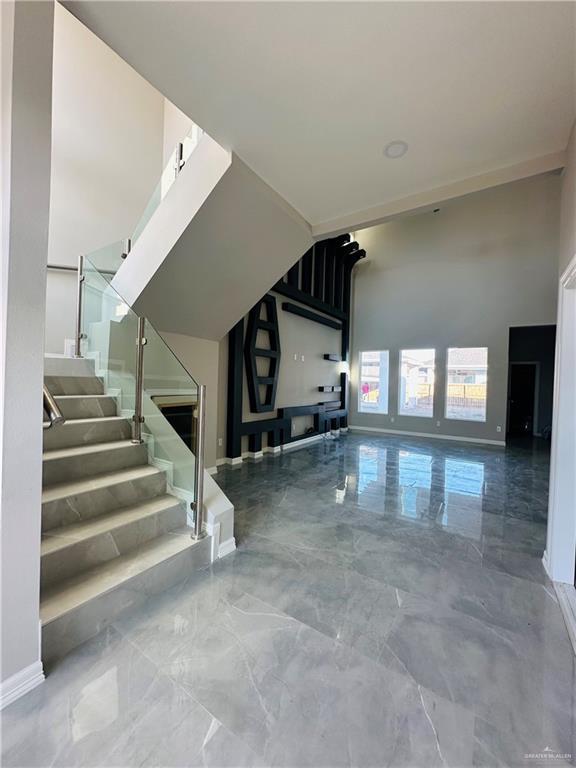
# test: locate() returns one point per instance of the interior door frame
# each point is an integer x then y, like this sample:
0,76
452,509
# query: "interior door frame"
536,409
560,555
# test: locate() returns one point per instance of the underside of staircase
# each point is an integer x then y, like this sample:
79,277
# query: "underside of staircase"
112,534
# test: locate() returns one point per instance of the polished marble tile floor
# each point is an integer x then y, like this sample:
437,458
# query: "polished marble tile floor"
386,606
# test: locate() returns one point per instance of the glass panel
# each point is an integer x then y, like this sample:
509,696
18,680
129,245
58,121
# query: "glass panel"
107,260
466,382
416,396
168,177
170,408
373,387
110,330
170,398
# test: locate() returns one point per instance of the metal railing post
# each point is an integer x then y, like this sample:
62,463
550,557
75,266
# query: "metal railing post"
179,158
198,504
79,334
138,418
126,248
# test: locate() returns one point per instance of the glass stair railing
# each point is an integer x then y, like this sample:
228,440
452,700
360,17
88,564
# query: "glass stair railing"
109,259
149,382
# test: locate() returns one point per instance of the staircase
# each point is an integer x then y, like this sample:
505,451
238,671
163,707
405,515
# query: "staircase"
112,535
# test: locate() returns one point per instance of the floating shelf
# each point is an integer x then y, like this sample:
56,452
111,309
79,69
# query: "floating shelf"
325,389
333,358
294,309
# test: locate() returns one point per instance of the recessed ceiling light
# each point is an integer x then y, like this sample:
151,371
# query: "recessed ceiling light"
395,149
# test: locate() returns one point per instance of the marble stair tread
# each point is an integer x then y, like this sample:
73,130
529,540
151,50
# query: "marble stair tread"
87,431
86,406
83,450
75,462
59,539
97,482
71,594
74,385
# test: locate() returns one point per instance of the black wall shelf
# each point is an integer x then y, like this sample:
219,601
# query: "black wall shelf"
333,358
294,309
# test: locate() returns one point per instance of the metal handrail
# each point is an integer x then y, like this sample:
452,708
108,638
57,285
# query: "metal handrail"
52,409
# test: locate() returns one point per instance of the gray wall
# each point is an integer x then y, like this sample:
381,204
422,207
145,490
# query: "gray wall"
201,358
242,240
460,277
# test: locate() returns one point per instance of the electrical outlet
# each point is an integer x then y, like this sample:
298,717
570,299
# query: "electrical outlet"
220,442
392,418
498,428
437,423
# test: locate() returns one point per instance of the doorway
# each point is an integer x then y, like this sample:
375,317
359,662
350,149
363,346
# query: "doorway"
531,352
523,399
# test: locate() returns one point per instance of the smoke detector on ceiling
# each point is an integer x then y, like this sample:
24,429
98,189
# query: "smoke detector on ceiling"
395,149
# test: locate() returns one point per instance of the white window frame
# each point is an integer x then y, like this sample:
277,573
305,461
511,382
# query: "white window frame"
360,403
399,403
459,418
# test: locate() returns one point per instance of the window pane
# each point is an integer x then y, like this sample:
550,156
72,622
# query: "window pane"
466,377
416,382
373,385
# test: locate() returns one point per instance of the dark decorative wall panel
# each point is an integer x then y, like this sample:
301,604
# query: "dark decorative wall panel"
322,281
253,351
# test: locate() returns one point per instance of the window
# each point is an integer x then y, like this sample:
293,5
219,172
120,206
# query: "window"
466,377
416,396
373,386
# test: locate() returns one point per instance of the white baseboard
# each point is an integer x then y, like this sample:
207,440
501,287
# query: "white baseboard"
20,683
233,462
212,470
546,564
278,449
227,547
567,598
435,436
221,462
301,443
253,455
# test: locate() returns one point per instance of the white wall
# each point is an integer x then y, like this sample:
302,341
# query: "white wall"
460,277
568,205
26,110
176,126
561,535
108,134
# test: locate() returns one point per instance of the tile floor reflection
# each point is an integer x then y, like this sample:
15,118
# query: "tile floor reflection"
386,606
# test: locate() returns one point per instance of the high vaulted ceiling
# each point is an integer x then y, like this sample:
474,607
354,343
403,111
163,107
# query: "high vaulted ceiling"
309,93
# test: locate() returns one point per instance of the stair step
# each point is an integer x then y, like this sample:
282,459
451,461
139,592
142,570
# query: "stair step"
78,608
86,406
74,385
79,432
72,502
72,549
88,460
